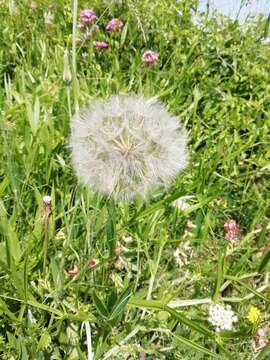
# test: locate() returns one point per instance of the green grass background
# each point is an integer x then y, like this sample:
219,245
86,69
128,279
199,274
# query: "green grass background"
215,77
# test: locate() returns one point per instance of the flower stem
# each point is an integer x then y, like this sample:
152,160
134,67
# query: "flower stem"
74,55
45,245
153,276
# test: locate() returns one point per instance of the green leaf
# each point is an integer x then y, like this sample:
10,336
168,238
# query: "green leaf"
44,341
264,262
267,25
111,227
5,310
259,295
12,240
112,299
124,34
101,308
156,305
121,304
196,346
220,274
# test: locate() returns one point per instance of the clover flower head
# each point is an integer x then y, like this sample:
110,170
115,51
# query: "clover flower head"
221,317
127,146
100,45
260,341
114,25
87,16
231,230
149,57
230,225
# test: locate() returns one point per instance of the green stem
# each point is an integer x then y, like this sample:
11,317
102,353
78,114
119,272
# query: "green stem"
45,245
153,276
74,62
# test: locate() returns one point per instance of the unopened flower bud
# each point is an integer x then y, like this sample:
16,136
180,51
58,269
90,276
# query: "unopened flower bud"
67,76
91,263
73,272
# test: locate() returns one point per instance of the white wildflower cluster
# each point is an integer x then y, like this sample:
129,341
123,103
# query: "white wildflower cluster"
183,254
127,146
222,317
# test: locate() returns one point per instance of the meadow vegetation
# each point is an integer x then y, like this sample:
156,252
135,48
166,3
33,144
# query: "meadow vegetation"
133,280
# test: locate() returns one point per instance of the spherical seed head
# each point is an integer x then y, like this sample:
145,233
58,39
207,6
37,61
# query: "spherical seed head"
47,200
127,146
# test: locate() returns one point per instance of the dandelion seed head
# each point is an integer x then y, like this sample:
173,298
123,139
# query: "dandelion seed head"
127,146
47,200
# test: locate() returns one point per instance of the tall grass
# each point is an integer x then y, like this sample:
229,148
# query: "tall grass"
215,77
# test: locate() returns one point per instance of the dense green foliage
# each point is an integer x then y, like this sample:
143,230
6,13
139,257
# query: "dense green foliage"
215,76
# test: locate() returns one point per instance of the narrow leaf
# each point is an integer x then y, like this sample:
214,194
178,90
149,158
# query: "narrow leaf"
264,262
101,308
259,295
196,346
121,303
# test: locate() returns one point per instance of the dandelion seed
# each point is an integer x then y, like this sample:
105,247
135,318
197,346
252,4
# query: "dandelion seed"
127,147
254,315
114,25
149,57
100,45
221,317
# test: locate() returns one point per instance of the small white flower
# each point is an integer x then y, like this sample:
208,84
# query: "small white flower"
127,146
47,200
222,317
